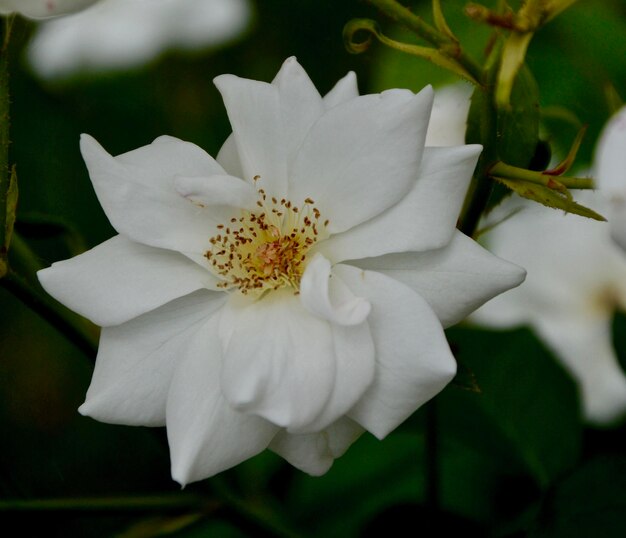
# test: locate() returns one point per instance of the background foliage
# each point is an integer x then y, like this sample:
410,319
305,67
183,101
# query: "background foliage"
514,459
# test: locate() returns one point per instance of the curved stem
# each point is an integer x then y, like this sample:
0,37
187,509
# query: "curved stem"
76,329
399,13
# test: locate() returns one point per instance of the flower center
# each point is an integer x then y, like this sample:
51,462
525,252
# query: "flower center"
266,249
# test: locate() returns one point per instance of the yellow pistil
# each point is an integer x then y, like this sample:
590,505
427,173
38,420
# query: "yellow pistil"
265,250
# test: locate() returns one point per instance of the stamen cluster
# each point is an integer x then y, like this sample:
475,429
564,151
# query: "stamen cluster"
266,249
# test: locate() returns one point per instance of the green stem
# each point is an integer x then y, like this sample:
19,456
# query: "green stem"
158,503
399,13
507,171
76,329
5,29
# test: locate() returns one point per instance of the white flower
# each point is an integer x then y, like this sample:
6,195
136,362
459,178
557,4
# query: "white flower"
610,173
448,119
124,33
576,280
39,9
290,293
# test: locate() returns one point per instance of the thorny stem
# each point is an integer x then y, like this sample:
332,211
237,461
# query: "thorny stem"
399,13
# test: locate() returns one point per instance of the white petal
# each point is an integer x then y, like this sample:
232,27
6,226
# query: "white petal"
205,434
136,361
424,219
362,156
314,453
345,89
455,280
585,348
255,115
448,119
279,361
316,290
610,157
617,219
120,279
356,366
300,105
38,9
137,192
217,190
228,157
413,359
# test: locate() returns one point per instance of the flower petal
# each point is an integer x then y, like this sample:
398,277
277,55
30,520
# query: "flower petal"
413,359
316,289
120,279
362,156
254,111
314,453
585,347
343,91
279,361
300,105
136,361
41,9
448,119
424,219
610,157
356,367
228,157
137,192
205,434
455,280
217,190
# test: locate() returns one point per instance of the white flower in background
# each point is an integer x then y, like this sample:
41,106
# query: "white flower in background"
576,281
610,174
119,34
289,294
448,119
43,8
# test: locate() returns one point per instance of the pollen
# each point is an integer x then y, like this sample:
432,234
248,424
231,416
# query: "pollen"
266,248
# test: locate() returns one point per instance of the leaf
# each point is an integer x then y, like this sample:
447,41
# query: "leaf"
526,396
549,197
589,502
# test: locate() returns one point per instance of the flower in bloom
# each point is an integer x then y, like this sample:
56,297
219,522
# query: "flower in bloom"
39,9
118,34
576,281
610,174
289,294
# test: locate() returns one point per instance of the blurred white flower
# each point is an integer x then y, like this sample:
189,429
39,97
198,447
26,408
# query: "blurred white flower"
39,9
290,293
448,120
576,281
124,33
610,173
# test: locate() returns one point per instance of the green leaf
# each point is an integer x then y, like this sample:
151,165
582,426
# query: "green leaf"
527,396
589,502
549,197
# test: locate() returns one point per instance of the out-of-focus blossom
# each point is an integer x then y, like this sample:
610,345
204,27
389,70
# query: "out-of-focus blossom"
289,294
40,9
448,120
610,173
576,281
118,34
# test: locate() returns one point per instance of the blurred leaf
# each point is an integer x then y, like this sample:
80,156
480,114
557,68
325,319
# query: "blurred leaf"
518,127
589,502
526,395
